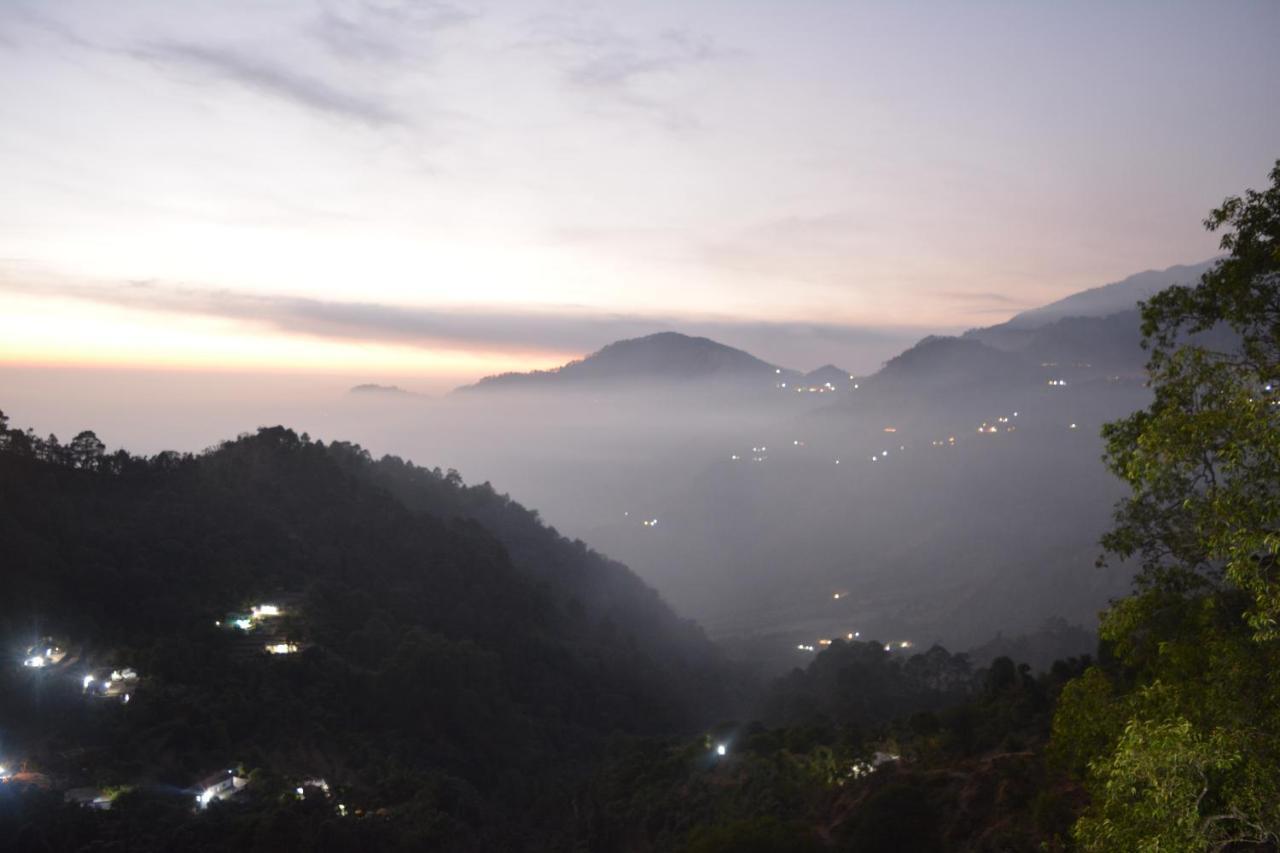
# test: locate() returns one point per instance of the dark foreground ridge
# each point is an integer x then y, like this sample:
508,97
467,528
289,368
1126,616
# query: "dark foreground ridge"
281,644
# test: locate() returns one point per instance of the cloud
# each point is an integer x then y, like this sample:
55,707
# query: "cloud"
614,61
559,329
988,296
264,76
16,15
611,68
376,31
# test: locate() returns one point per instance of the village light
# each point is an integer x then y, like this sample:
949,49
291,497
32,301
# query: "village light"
88,680
35,661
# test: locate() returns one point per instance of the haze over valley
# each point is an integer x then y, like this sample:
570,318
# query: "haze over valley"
952,494
793,426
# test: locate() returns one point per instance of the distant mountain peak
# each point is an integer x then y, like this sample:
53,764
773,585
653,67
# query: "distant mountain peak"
374,388
662,356
1123,295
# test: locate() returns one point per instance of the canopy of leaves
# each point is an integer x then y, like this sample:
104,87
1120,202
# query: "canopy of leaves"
1177,730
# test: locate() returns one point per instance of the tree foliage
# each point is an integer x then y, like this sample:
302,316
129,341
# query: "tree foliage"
1177,730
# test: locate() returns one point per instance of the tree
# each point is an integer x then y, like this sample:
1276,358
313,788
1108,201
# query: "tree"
1204,459
86,450
1177,728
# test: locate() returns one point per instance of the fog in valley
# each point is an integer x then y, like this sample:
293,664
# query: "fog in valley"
955,494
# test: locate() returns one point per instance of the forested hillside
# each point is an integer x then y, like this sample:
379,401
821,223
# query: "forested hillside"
458,662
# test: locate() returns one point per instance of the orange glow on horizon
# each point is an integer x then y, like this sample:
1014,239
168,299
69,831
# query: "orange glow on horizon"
65,333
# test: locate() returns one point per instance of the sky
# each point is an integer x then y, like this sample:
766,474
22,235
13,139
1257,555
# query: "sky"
441,190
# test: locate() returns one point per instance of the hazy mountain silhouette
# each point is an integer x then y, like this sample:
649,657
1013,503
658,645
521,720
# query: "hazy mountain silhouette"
1073,326
1111,298
939,361
827,374
374,388
661,357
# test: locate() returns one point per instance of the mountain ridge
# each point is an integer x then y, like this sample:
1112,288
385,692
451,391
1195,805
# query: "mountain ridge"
662,356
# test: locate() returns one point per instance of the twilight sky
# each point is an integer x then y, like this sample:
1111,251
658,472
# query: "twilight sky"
446,189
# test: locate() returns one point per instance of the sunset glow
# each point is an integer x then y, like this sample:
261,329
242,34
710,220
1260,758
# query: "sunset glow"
613,169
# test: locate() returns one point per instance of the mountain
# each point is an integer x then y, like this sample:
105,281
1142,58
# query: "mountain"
1073,327
373,388
1097,329
940,362
1111,298
661,357
827,376
449,662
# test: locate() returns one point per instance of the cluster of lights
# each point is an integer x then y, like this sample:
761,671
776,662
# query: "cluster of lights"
39,659
650,522
209,794
1004,420
281,648
863,768
950,441
827,641
112,686
1058,382
258,613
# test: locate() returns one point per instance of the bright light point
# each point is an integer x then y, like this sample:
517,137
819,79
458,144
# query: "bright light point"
84,684
721,749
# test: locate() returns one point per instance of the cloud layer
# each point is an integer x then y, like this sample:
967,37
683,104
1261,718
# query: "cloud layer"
567,329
